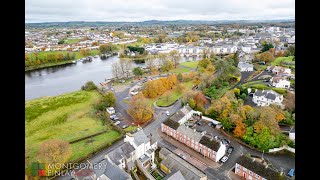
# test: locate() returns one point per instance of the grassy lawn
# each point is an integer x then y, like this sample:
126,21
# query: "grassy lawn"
278,60
71,41
180,70
42,54
130,128
260,67
65,117
192,64
173,94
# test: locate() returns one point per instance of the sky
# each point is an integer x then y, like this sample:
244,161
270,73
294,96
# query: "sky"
142,10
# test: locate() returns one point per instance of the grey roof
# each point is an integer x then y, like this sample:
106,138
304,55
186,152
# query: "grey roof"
144,158
244,65
174,175
269,94
181,113
173,162
140,137
293,130
113,172
120,152
196,136
210,143
164,151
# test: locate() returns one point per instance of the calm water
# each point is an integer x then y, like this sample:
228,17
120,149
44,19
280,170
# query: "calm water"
57,80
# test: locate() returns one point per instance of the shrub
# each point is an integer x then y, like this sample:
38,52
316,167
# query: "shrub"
89,86
279,90
243,96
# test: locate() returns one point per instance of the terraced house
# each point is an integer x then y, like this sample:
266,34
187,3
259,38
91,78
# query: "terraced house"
177,128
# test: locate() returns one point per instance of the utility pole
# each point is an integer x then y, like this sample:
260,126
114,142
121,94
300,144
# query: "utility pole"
262,154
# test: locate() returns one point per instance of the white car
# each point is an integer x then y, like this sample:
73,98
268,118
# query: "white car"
167,113
116,123
224,159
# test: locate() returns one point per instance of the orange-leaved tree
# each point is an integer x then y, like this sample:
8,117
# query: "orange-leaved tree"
139,109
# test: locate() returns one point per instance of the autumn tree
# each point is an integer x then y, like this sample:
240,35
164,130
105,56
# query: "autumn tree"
289,102
180,77
236,92
240,129
138,71
266,57
85,52
54,151
139,109
167,66
200,99
175,57
43,48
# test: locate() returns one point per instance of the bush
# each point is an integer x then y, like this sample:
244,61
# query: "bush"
279,90
89,86
243,96
291,144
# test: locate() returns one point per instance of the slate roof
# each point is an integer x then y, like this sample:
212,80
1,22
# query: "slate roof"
113,172
212,144
269,94
174,162
173,124
174,175
196,136
181,113
122,151
258,168
140,137
244,65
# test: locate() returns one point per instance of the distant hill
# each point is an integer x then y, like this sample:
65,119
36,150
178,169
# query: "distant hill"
150,22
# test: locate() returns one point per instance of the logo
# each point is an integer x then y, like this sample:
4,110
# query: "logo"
39,169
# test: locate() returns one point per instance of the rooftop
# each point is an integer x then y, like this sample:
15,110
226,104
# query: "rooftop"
258,168
120,152
173,124
210,143
269,94
195,135
174,175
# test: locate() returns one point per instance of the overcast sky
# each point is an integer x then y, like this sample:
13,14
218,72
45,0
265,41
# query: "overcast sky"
141,10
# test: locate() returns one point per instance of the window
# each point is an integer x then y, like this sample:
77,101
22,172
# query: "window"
200,150
250,172
257,176
244,169
209,155
264,179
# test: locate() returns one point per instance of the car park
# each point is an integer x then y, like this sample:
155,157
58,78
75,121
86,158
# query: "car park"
229,150
116,123
224,159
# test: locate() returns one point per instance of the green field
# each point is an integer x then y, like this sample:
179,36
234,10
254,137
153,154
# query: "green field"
130,128
192,64
42,54
71,41
278,60
174,95
66,117
180,70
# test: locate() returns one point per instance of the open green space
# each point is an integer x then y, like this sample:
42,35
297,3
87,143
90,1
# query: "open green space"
71,41
180,70
130,128
43,54
278,60
191,64
169,97
66,117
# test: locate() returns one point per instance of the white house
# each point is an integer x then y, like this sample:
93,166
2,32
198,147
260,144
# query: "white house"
184,114
292,134
245,67
137,147
246,49
267,97
279,82
279,70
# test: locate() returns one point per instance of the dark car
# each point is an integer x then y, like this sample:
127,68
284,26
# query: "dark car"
225,141
229,150
211,124
199,123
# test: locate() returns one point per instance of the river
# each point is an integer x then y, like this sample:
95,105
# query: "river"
53,81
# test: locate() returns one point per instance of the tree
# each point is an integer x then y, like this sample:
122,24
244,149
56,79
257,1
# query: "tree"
85,52
200,99
289,102
89,86
291,50
107,48
236,92
43,48
167,66
192,103
139,109
266,57
175,57
138,71
94,44
240,129
54,151
109,99
179,76
266,47
61,41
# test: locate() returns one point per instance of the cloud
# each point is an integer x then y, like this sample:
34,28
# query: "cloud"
141,10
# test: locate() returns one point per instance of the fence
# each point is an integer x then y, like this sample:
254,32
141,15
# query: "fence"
282,148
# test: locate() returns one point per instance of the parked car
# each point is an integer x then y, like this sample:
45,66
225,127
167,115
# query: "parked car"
117,123
225,142
199,123
291,173
216,137
230,149
224,159
211,124
167,113
124,126
113,116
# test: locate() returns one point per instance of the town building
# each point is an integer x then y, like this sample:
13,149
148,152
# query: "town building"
245,67
255,169
267,97
279,82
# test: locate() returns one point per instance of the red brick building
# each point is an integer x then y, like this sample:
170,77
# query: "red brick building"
205,145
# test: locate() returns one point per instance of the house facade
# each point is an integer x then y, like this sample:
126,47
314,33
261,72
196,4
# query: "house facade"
254,169
137,147
207,146
267,97
279,82
279,70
